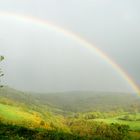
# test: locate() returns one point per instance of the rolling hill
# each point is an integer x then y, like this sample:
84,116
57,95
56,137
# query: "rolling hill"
75,101
89,101
69,114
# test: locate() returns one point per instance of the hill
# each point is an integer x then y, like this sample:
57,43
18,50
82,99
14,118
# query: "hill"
76,101
65,115
23,109
17,96
89,101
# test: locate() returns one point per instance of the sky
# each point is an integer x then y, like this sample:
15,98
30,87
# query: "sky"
42,59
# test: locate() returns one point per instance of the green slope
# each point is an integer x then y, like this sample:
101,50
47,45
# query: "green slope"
90,101
74,101
16,107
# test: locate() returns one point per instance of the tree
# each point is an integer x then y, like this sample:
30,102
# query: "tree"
1,72
112,131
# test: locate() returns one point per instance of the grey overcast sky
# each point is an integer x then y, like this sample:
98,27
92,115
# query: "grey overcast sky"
40,59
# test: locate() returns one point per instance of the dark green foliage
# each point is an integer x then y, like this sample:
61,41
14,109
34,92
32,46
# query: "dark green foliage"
103,132
1,72
1,58
13,132
113,131
98,130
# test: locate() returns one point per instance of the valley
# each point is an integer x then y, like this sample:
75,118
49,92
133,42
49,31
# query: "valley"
76,114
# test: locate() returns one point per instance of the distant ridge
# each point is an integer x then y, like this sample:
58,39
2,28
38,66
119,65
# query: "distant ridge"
89,100
16,95
75,101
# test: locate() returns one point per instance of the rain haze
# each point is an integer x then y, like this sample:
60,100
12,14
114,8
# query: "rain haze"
39,58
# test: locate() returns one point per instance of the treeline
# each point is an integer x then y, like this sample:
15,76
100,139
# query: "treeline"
101,131
130,117
97,114
14,132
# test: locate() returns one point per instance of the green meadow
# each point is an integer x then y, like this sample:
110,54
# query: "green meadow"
134,125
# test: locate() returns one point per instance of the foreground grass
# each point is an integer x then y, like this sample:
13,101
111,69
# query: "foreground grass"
14,132
103,132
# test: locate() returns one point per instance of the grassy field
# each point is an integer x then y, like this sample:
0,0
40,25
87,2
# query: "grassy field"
30,118
9,113
134,125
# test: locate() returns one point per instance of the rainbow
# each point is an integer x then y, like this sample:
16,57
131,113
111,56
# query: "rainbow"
77,38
